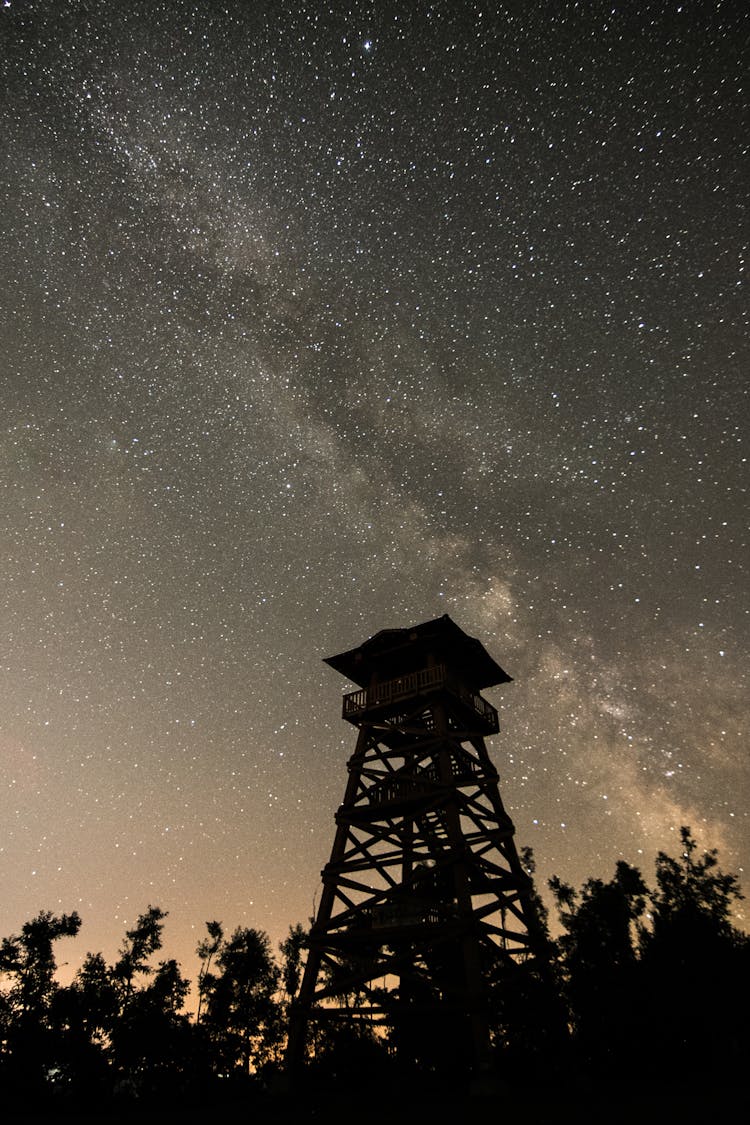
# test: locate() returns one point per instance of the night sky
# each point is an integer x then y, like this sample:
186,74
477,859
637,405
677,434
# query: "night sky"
318,319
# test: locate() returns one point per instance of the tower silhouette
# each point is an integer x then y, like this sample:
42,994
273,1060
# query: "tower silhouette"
424,897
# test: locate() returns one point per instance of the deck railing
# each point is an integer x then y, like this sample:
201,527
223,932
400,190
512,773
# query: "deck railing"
403,687
412,684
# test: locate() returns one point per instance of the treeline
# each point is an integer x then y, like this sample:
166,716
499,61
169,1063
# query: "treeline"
654,981
639,982
120,1032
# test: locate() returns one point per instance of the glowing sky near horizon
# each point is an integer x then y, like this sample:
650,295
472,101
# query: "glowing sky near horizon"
318,320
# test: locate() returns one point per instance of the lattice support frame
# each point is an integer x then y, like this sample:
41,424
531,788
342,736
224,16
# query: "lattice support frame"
424,887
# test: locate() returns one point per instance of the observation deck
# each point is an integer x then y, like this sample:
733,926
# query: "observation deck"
387,700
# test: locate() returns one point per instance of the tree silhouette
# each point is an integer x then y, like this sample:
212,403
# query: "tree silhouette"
84,1015
151,1038
140,943
241,1014
599,962
27,962
30,962
291,951
693,892
207,950
696,964
654,977
122,1025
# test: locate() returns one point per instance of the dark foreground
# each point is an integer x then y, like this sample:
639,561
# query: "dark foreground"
678,1102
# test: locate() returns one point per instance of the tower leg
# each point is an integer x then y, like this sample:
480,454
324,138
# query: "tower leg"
302,1006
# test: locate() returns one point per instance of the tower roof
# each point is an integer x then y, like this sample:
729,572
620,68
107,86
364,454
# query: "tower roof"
393,652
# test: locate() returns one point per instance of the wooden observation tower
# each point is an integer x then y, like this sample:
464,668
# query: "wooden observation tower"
424,896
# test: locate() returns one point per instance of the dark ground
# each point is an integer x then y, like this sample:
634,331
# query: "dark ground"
376,1106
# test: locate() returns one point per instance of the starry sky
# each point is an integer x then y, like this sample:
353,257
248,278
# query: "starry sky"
318,319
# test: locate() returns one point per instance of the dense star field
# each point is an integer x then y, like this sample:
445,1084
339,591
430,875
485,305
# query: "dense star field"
323,319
